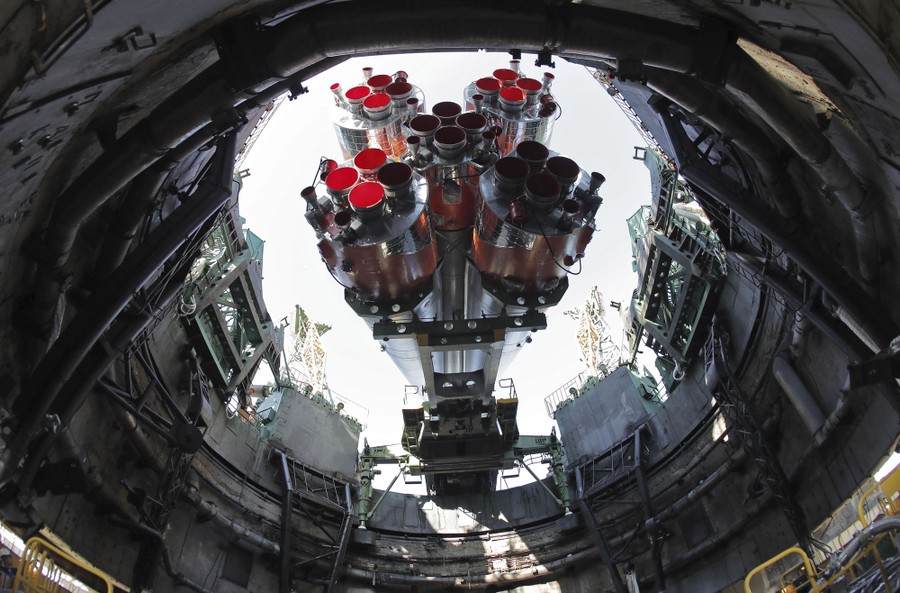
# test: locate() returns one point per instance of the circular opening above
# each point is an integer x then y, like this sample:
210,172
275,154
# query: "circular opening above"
379,81
370,159
366,195
398,89
412,139
487,85
377,101
532,151
394,174
450,135
512,93
506,75
342,179
424,124
511,168
563,168
529,85
358,93
543,187
335,86
471,121
446,109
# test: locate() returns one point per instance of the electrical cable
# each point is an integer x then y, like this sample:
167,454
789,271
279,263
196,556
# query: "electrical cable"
553,255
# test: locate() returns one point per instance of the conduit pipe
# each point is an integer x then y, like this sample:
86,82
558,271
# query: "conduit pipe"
207,510
853,325
131,213
651,526
100,492
62,362
287,509
138,438
847,294
841,408
844,340
551,567
795,389
859,541
140,195
79,385
186,116
168,125
704,103
707,547
204,508
798,333
179,578
789,118
497,578
321,32
858,303
709,482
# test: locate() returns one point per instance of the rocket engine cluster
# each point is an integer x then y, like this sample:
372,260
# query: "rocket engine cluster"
451,231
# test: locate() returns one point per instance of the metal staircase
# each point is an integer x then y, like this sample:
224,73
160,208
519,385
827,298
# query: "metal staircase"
325,500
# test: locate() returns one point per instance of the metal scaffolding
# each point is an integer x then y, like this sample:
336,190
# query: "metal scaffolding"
598,351
680,263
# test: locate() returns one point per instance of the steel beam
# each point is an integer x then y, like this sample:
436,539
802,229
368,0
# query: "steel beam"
650,524
590,522
287,503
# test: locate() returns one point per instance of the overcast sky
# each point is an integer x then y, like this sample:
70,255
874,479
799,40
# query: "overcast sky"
592,131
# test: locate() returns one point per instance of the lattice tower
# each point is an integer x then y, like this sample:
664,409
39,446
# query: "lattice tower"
306,361
598,352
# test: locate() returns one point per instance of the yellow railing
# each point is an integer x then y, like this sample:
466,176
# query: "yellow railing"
43,567
810,568
890,488
890,505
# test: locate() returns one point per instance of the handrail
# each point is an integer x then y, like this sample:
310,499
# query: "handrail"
810,568
862,544
891,480
39,567
564,393
860,506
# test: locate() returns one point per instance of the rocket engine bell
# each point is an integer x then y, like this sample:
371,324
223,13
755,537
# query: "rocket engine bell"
451,233
520,108
375,236
373,113
535,219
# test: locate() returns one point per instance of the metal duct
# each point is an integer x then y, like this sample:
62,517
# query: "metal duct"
704,103
848,294
63,360
775,105
185,114
796,391
321,32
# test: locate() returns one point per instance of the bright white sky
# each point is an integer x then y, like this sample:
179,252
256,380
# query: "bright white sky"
592,131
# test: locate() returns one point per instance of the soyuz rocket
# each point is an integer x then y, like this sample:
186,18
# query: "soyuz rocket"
452,230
